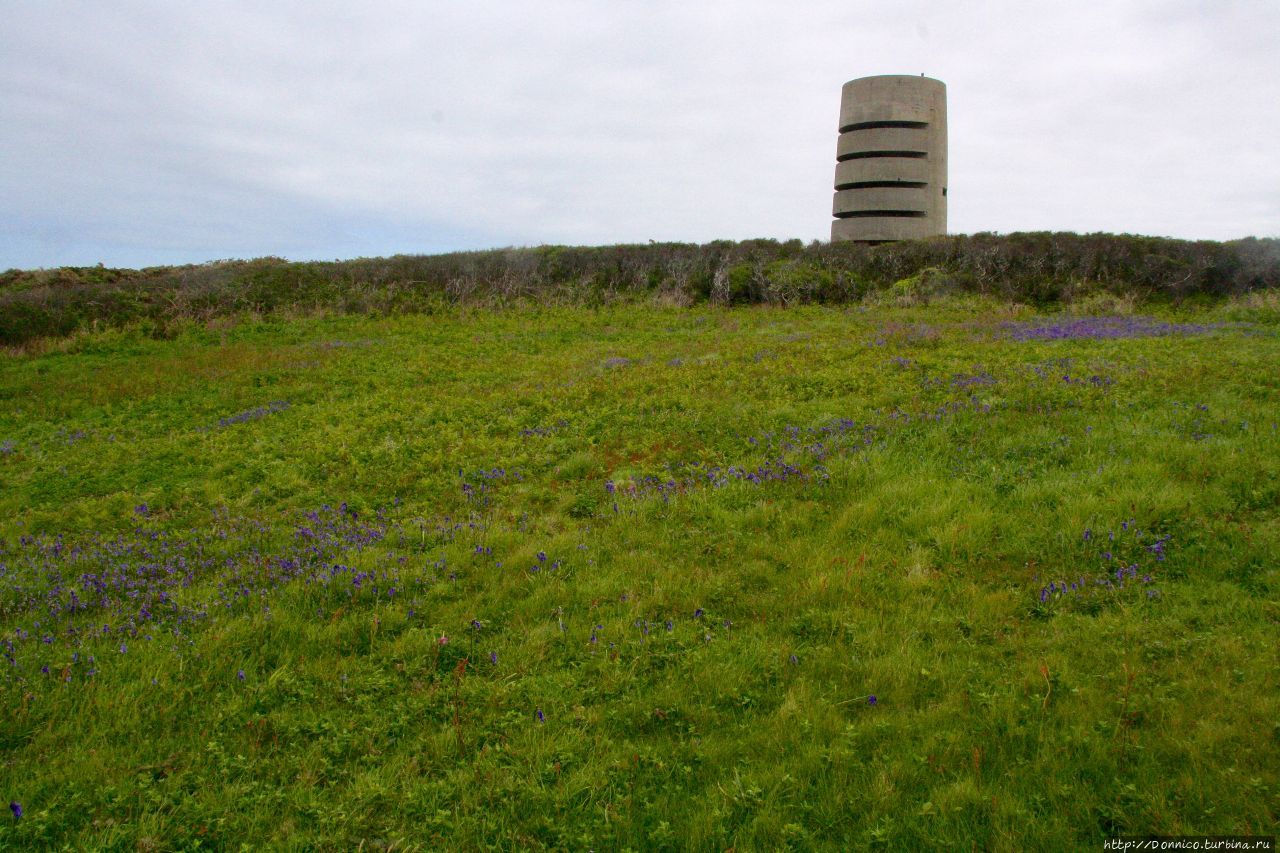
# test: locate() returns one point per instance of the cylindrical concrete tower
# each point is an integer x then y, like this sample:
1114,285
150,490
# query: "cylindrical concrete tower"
891,159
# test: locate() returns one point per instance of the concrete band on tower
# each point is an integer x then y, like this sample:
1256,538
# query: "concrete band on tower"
891,159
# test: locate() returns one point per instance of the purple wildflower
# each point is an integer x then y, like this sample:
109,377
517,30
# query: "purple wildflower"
16,808
542,718
254,414
871,700
1099,328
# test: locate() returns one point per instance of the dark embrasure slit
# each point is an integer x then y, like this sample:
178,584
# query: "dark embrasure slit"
867,185
872,125
893,214
863,155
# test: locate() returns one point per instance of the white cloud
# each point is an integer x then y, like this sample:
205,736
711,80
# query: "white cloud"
155,132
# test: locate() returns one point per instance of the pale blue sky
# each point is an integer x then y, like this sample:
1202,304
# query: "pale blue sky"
138,133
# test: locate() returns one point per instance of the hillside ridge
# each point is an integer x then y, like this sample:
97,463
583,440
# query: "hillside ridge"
1042,268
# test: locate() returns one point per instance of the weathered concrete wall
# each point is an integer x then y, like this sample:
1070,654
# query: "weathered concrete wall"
891,159
860,201
869,170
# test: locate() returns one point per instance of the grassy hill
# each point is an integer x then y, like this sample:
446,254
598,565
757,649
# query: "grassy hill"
922,567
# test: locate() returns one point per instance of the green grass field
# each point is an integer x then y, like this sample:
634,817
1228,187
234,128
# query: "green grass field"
948,576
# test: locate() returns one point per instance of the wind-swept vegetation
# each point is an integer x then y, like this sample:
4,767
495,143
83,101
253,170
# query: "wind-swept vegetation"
1036,268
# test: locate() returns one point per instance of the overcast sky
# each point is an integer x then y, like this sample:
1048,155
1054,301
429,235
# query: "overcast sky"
137,133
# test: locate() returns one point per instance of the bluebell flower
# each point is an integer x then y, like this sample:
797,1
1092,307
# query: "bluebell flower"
16,808
542,718
493,657
240,674
871,700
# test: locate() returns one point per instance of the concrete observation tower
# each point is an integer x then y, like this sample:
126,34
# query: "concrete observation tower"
891,159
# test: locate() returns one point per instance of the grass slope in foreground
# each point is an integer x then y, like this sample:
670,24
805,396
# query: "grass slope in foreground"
644,578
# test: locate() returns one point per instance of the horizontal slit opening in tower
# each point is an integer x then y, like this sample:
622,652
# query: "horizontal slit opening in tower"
891,214
871,125
863,155
867,185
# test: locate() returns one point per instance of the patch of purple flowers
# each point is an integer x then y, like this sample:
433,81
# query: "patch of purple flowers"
134,584
544,430
1102,328
1123,553
981,377
254,414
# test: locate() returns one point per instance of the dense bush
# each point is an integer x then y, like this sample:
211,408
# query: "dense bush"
1031,267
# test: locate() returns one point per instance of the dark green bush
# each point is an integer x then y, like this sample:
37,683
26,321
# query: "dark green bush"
1041,267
